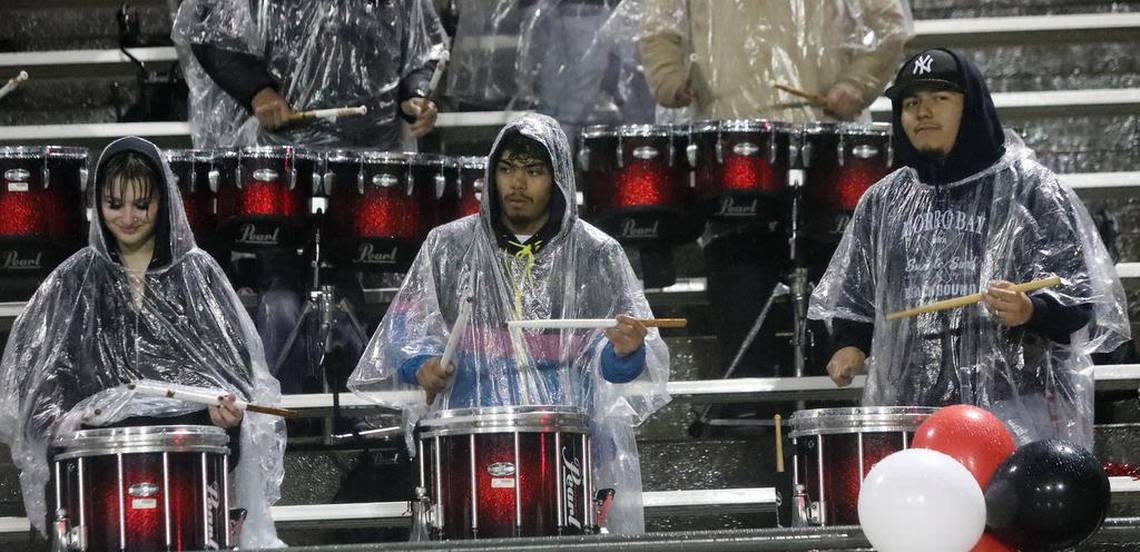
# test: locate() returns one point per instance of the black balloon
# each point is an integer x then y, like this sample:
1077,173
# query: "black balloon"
1048,495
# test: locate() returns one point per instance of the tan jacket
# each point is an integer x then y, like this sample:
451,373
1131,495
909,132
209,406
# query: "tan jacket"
740,48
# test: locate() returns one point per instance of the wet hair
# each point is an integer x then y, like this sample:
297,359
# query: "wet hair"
128,169
522,147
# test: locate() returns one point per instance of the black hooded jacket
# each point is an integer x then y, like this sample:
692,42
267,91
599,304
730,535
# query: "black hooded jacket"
979,145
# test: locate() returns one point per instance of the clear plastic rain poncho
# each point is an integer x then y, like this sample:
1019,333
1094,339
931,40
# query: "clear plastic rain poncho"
85,334
320,54
580,273
734,52
909,244
552,56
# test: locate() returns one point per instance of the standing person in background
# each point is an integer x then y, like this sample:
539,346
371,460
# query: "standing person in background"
721,60
272,58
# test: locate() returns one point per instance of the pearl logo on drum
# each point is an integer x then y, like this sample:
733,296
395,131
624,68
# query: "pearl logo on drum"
501,469
249,234
366,255
572,475
630,229
729,208
12,261
145,489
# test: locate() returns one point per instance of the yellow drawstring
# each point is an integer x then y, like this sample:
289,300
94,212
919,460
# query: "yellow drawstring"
525,252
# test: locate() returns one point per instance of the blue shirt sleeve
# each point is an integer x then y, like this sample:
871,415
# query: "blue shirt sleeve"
617,369
409,368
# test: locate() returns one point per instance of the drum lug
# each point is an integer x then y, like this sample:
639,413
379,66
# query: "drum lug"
841,151
584,158
360,182
672,150
620,153
83,174
772,148
720,148
328,182
213,177
292,177
805,153
440,186
801,515
237,176
691,153
47,173
317,182
411,184
67,538
423,520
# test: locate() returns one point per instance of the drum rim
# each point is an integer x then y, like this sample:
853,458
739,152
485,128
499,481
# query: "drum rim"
751,125
272,152
416,158
599,131
357,155
39,152
503,419
849,128
174,155
141,439
858,419
646,130
471,161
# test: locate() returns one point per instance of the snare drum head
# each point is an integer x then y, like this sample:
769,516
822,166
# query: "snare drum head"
825,421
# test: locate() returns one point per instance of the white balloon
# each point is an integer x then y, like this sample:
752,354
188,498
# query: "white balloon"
921,499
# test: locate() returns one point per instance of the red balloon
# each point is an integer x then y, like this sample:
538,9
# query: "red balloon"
971,435
990,543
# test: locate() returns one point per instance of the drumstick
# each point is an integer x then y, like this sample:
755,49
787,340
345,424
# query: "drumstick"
813,98
328,113
779,446
971,299
456,332
13,83
200,395
593,323
441,64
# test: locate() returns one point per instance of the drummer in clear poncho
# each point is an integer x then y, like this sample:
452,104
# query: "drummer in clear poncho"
527,255
141,301
971,209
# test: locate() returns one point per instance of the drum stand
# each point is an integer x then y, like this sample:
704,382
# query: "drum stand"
799,292
323,305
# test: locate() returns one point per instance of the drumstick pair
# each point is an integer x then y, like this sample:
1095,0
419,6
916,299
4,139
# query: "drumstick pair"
971,299
201,395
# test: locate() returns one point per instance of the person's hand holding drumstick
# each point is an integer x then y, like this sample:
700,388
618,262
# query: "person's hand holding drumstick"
1012,308
628,336
433,378
271,109
845,364
227,414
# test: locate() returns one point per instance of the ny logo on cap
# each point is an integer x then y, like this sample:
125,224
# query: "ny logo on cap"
923,65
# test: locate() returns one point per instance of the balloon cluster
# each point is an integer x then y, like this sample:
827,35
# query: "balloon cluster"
965,486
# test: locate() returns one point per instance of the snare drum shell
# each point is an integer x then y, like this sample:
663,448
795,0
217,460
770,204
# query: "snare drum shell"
266,204
146,488
741,168
835,449
41,224
531,470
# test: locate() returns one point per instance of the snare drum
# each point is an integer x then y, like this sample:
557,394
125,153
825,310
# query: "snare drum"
840,161
266,205
199,174
741,167
42,218
507,471
636,185
139,489
835,448
377,217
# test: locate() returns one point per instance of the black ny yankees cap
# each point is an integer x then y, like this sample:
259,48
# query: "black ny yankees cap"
934,68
